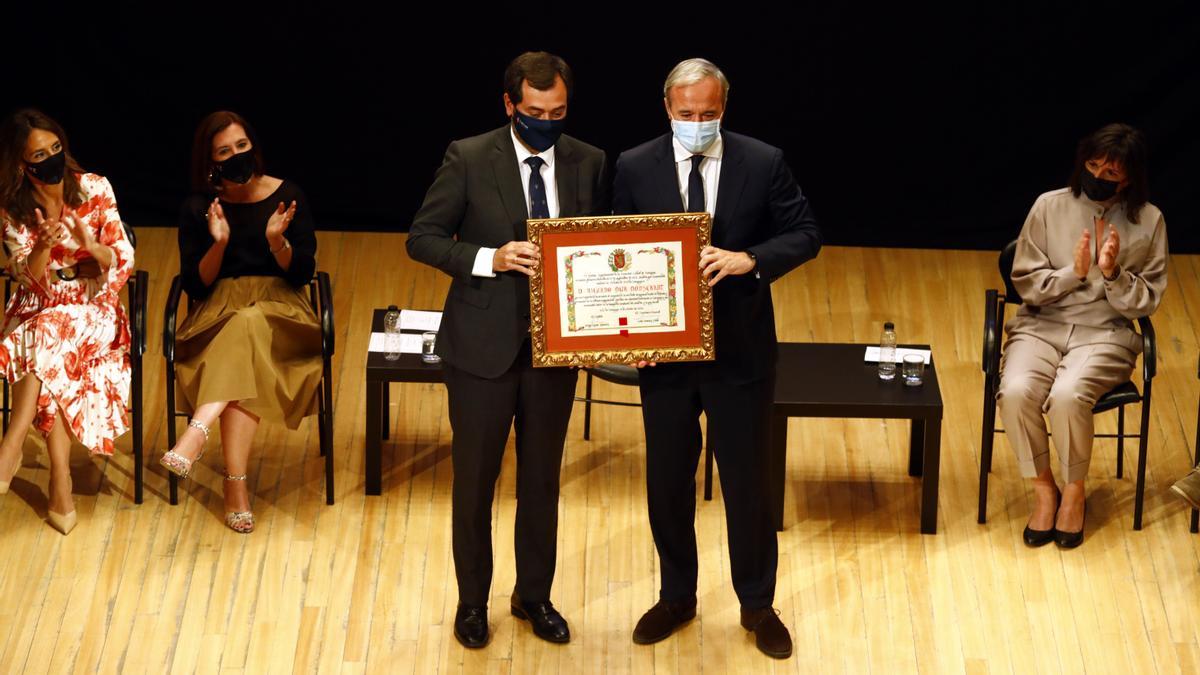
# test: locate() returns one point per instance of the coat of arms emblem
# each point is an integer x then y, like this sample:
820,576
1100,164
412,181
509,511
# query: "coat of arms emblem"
619,260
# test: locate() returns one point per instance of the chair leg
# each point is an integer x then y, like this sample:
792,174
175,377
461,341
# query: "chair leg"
172,480
1195,513
1195,526
321,420
708,464
1143,447
1121,441
986,444
327,435
136,400
708,471
587,407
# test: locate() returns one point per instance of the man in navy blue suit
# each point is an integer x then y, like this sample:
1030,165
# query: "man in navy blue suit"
472,226
762,229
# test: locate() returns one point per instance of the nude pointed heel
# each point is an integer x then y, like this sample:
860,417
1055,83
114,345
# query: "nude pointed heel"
62,522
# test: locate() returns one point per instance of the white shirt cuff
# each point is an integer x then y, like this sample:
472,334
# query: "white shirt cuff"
483,263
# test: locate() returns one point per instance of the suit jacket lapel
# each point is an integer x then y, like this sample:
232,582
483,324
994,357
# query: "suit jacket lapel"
508,181
729,184
667,177
566,179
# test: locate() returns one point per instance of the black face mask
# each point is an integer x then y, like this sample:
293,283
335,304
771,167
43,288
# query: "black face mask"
1097,189
238,169
50,170
540,135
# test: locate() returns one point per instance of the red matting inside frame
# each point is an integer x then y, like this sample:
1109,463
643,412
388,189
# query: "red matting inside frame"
689,283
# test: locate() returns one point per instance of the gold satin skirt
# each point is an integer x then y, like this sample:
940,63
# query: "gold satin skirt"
254,340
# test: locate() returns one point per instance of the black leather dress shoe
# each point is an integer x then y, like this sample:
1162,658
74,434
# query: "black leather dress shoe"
1071,539
1035,538
547,623
770,635
471,626
661,620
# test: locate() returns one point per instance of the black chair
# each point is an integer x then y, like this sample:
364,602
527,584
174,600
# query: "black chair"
136,308
1122,395
628,376
617,374
321,297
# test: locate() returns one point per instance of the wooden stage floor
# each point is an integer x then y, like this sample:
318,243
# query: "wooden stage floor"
367,585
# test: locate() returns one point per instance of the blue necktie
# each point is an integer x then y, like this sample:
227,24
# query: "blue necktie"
537,189
696,186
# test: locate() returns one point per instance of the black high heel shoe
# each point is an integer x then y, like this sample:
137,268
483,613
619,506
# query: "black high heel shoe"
1071,539
1035,538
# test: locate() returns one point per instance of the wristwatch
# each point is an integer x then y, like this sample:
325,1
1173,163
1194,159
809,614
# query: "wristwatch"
286,245
754,269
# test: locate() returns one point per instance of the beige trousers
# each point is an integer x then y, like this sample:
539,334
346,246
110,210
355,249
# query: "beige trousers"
1060,370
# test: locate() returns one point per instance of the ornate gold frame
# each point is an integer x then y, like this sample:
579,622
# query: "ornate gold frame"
705,351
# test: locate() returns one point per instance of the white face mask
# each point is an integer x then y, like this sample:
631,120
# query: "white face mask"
696,136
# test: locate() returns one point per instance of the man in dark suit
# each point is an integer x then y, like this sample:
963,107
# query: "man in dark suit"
762,229
472,227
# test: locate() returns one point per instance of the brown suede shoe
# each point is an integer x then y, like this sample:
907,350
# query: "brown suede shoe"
661,620
1188,487
770,635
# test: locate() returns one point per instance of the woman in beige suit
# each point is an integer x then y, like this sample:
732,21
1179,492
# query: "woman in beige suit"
1091,257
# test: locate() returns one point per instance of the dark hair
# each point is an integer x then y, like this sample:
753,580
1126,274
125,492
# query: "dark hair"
540,70
1123,144
16,192
202,161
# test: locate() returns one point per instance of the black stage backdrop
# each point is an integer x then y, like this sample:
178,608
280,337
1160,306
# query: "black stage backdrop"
905,126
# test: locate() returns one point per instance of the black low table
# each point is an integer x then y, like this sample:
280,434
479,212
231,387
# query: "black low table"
381,371
832,380
813,380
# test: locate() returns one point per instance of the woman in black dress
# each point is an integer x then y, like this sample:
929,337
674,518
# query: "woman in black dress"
250,347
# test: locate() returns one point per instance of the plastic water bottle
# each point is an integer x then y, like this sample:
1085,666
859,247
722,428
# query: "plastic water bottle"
887,352
391,333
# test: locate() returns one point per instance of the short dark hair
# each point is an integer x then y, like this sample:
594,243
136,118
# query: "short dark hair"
1123,144
202,161
16,192
538,68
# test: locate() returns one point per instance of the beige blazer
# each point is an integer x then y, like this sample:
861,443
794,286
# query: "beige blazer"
1044,270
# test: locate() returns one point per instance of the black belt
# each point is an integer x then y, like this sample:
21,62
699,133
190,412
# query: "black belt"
87,269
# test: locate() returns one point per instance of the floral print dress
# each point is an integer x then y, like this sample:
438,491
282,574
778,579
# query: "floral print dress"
74,335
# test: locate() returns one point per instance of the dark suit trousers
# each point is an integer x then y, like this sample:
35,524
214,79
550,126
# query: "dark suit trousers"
481,413
738,416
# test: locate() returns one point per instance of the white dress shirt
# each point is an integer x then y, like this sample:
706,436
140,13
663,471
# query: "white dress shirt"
483,259
710,172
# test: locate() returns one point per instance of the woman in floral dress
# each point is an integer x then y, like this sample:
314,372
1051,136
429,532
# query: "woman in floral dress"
65,346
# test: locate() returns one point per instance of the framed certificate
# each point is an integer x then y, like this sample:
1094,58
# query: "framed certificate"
620,289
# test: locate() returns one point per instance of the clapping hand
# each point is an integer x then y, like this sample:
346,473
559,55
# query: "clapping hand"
1107,259
50,232
218,227
278,223
1083,255
81,233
